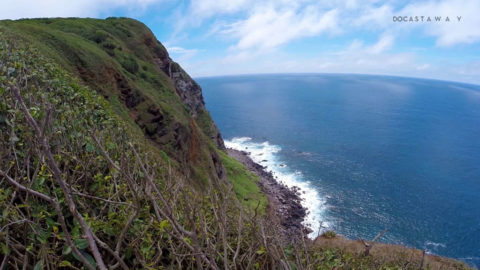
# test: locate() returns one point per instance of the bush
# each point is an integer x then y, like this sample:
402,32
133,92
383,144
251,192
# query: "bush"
329,234
108,44
100,36
129,64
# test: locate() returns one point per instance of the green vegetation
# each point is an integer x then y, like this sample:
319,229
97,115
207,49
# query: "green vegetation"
244,184
106,55
329,234
102,166
205,123
104,198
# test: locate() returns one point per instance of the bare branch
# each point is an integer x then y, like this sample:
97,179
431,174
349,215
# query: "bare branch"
58,177
59,213
13,223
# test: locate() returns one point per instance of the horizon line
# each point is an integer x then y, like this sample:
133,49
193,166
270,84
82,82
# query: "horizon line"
477,84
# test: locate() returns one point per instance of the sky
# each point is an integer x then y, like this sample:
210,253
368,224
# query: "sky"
227,37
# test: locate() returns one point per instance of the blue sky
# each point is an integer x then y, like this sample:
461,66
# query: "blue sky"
217,37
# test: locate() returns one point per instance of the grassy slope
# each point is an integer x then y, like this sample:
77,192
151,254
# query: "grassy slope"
115,57
78,47
94,49
244,184
79,112
395,255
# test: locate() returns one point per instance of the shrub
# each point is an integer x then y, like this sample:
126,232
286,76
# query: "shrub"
129,64
329,234
108,44
100,36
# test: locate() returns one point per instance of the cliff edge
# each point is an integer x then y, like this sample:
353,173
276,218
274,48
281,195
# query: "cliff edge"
110,160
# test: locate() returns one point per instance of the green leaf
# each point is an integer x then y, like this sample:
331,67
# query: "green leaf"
289,250
88,257
38,266
128,253
261,251
51,222
81,243
164,225
41,180
110,146
188,240
3,247
65,264
145,249
89,147
76,231
42,236
66,250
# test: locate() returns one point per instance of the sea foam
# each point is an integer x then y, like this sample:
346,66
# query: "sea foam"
266,154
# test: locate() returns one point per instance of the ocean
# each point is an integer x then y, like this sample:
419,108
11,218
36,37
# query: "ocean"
368,152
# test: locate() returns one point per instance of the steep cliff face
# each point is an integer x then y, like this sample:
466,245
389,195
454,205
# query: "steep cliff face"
190,92
112,175
122,60
93,117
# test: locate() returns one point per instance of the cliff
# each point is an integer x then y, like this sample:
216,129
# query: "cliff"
122,60
124,125
109,159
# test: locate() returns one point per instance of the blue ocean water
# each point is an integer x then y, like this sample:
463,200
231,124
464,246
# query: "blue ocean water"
370,152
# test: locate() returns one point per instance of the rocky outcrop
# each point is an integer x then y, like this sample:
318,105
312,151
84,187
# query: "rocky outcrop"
285,204
126,64
188,90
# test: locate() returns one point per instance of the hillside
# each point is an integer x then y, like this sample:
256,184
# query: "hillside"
122,61
109,159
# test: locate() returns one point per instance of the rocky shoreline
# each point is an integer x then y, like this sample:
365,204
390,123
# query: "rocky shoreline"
284,203
286,208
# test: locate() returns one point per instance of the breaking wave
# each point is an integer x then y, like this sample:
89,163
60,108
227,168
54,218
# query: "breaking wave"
266,154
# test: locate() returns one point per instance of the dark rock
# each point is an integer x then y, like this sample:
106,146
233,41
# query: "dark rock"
284,203
188,90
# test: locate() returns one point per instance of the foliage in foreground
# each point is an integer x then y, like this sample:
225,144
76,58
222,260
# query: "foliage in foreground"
121,60
78,191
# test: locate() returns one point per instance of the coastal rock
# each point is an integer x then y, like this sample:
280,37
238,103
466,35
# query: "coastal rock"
284,203
190,93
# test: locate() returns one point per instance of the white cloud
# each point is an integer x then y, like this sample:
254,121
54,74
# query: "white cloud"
453,32
423,67
269,26
207,8
355,45
259,29
179,50
181,54
256,31
356,57
371,16
466,31
360,58
384,43
16,9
